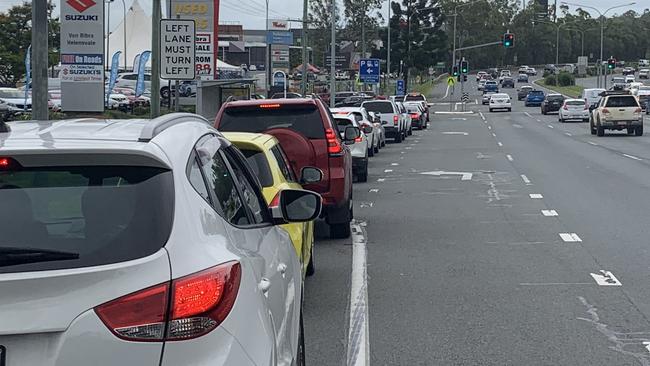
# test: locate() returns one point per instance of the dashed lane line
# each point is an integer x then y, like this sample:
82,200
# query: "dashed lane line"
509,157
592,143
499,143
570,237
525,179
535,196
549,213
568,134
549,126
632,157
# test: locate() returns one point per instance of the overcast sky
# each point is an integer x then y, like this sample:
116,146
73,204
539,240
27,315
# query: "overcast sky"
251,13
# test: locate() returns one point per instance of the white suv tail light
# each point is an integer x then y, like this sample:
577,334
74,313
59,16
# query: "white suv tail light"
184,308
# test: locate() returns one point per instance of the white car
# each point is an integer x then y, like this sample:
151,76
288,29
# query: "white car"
161,249
644,74
481,84
369,129
574,109
391,117
130,80
616,111
629,79
592,95
118,101
14,99
358,147
634,87
406,117
479,75
500,101
531,71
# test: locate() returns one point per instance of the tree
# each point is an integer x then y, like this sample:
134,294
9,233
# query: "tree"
362,16
320,17
15,38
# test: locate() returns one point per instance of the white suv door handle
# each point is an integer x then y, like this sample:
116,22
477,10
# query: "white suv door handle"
264,285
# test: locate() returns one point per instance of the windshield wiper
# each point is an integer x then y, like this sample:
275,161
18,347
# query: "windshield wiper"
11,256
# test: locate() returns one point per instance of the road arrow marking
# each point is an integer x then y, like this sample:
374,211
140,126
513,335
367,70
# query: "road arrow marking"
606,278
647,345
549,213
570,237
373,190
464,175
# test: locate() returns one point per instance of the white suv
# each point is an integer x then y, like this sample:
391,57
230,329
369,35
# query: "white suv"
391,117
617,111
143,242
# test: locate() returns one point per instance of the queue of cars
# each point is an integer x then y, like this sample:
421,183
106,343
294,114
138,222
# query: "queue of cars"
184,240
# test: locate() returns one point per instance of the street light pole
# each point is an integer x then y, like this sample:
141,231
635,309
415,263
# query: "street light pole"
602,30
388,55
39,60
453,57
333,57
305,54
268,54
155,59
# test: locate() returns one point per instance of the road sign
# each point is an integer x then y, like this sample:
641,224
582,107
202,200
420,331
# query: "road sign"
177,49
369,70
451,81
279,78
399,88
465,97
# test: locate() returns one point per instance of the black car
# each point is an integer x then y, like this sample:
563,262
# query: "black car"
523,92
552,103
508,82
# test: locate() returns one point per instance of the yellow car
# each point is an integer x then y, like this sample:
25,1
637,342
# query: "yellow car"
268,161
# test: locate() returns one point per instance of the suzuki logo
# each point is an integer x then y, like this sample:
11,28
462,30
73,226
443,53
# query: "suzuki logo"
81,5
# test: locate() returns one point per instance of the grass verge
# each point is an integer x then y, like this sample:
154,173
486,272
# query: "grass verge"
573,91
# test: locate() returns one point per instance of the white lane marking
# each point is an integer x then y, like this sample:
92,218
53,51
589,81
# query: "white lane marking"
570,237
394,164
358,334
481,114
455,133
525,179
549,213
632,157
499,143
528,114
592,143
402,152
373,190
568,134
456,107
381,180
388,170
408,148
549,126
606,278
516,125
489,127
509,157
494,134
465,175
458,119
366,204
475,101
535,196
484,121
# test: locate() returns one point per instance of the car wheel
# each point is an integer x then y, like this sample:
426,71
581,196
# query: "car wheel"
376,148
509,109
410,131
371,151
639,131
490,110
600,131
630,131
592,129
311,267
340,231
363,177
300,353
164,92
398,137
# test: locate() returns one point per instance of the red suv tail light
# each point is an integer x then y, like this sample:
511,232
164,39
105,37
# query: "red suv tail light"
395,120
199,303
415,115
605,110
333,145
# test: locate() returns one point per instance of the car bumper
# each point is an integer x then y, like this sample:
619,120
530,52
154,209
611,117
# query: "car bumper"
390,131
359,165
574,115
619,125
500,106
533,103
416,123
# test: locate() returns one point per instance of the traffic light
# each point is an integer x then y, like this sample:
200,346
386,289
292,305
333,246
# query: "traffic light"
508,40
464,67
465,77
454,71
611,63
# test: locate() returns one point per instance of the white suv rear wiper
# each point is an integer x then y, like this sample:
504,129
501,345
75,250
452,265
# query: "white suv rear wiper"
11,256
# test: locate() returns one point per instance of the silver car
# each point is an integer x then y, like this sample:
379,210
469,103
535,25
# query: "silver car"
373,134
143,243
358,147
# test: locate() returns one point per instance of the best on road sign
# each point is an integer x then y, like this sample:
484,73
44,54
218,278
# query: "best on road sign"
177,49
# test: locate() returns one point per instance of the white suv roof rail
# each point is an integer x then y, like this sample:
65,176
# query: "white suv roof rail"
160,124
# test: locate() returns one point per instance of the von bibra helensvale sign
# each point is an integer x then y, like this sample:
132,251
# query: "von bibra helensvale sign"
177,49
82,55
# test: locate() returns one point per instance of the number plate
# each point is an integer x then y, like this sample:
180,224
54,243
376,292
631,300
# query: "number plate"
622,123
3,355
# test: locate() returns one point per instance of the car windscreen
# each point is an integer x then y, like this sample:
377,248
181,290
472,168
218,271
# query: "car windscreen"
342,124
379,107
622,101
302,118
536,93
412,108
11,94
80,216
618,80
555,98
410,98
260,166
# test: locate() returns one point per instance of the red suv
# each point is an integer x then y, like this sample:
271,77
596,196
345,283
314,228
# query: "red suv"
308,135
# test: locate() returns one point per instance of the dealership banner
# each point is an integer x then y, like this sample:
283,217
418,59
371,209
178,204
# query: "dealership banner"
82,55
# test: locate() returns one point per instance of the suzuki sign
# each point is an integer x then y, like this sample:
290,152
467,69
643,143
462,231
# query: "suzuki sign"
82,55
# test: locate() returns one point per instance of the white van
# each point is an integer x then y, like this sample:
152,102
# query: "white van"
644,63
592,96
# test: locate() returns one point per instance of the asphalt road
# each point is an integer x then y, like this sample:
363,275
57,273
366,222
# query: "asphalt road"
479,272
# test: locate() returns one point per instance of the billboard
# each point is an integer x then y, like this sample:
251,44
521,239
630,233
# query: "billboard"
82,55
205,14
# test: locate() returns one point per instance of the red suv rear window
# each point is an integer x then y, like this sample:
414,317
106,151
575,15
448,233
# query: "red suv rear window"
303,118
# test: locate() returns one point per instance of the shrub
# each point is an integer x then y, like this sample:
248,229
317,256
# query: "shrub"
566,79
550,80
